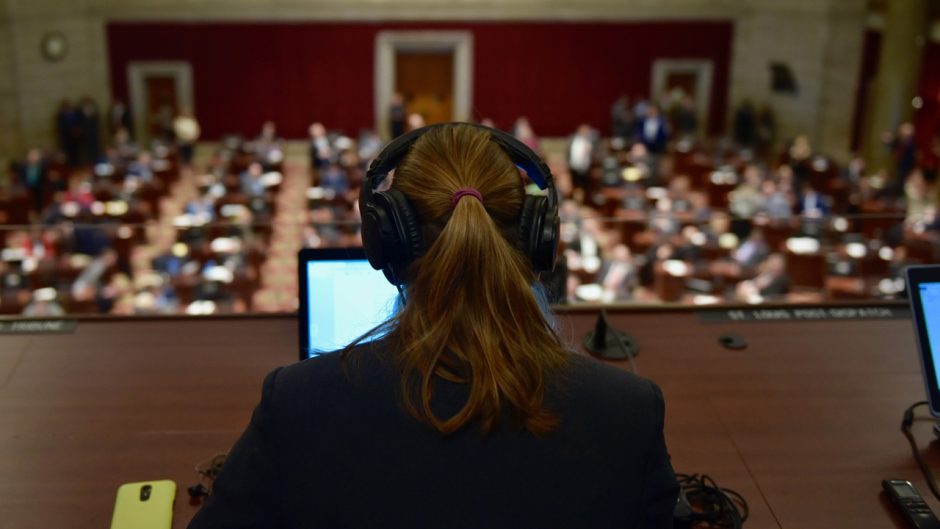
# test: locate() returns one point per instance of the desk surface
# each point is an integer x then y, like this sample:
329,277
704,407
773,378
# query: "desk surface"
804,422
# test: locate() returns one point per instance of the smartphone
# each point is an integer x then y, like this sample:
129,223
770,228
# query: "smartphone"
144,505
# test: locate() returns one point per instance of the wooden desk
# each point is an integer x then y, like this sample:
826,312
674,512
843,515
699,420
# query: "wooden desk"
804,422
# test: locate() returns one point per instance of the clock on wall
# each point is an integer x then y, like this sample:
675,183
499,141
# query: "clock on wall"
54,46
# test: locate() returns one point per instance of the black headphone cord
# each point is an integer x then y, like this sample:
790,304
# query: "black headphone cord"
906,430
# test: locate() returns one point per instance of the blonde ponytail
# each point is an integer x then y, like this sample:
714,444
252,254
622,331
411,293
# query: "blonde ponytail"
471,315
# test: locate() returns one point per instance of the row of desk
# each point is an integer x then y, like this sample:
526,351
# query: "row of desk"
804,422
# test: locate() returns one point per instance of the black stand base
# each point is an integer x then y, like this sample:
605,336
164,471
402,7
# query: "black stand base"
611,349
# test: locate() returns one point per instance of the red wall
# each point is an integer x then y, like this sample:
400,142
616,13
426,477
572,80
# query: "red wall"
556,74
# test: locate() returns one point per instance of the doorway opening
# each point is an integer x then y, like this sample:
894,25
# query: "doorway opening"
432,70
158,92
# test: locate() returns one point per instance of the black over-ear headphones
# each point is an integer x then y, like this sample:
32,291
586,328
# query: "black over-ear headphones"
391,233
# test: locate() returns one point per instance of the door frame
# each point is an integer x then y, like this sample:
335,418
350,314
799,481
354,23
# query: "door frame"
388,43
137,74
703,84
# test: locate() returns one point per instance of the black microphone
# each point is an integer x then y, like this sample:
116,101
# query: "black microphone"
607,343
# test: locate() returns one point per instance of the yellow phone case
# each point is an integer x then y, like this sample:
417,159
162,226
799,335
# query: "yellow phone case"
144,505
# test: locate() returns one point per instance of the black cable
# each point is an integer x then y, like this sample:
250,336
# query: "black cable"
906,423
711,504
630,353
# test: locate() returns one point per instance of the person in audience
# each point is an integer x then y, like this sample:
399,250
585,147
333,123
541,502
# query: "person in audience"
812,204
142,168
252,183
799,154
333,178
652,131
397,115
370,144
69,132
119,117
581,155
771,280
618,276
202,207
269,149
766,130
34,176
187,132
753,250
921,199
621,118
686,118
523,132
746,199
745,125
124,144
90,131
903,146
321,152
415,121
464,397
774,202
43,304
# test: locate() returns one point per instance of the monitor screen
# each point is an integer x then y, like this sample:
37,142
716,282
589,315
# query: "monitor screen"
344,300
923,283
930,308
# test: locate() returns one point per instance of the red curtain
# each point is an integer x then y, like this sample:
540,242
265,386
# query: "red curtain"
556,74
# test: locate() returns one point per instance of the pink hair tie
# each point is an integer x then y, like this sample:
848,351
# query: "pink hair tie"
464,191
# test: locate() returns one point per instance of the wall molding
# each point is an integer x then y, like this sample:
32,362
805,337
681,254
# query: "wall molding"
137,73
387,43
703,70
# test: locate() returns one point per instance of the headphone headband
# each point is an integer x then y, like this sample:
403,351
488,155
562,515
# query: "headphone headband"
520,154
391,230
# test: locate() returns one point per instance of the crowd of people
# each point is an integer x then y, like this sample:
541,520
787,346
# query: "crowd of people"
123,229
651,211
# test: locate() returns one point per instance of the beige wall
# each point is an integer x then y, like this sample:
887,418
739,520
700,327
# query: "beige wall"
9,121
820,39
40,85
822,44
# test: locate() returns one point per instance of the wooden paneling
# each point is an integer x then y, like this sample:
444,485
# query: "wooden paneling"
804,422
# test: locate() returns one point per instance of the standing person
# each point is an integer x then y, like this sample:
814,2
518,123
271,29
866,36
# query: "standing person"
745,125
119,117
523,132
480,412
581,156
653,133
90,126
321,150
397,115
33,175
621,117
187,132
68,128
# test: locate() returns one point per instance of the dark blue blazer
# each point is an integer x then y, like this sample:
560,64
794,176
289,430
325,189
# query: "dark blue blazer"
329,446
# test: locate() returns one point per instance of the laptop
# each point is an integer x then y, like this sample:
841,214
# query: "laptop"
341,298
923,286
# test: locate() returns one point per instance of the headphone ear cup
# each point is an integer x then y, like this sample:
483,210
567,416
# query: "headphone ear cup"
538,226
411,241
526,221
547,247
391,234
376,227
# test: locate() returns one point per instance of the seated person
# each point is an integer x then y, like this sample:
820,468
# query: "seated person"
142,168
251,182
467,401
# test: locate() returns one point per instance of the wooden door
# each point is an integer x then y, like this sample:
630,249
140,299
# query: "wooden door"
162,105
426,80
682,80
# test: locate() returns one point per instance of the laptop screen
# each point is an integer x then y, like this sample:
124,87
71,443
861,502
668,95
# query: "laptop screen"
924,289
342,298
